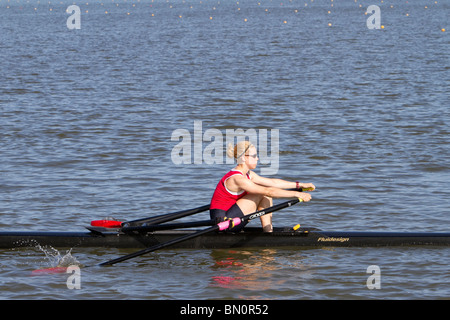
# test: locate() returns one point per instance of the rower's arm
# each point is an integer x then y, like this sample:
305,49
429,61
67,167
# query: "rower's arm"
279,183
273,192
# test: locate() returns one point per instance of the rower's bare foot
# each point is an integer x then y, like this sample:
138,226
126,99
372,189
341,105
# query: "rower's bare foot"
268,228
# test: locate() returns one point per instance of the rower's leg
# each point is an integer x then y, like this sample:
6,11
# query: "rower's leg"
253,202
266,220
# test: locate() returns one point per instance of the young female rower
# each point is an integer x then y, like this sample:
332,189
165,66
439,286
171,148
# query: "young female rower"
241,191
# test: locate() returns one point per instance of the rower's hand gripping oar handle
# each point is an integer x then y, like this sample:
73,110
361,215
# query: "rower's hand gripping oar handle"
302,189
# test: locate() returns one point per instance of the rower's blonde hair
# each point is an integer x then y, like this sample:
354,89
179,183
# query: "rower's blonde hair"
239,149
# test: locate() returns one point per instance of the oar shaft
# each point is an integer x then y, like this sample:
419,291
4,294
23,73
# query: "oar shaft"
274,208
169,226
160,246
166,217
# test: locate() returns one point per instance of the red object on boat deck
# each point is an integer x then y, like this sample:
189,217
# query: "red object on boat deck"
106,223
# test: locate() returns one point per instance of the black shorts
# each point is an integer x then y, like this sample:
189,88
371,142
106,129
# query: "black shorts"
234,212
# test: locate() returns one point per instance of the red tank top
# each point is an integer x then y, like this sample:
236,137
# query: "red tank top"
223,198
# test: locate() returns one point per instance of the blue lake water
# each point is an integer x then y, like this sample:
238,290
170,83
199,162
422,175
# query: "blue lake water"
88,115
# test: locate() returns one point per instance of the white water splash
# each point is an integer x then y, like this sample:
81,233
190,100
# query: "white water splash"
53,258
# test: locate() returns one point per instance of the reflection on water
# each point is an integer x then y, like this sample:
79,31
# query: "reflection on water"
256,270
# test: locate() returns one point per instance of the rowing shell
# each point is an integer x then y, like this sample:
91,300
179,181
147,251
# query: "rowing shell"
249,238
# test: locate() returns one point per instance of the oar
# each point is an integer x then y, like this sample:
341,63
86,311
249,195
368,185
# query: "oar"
166,217
168,226
150,220
218,227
